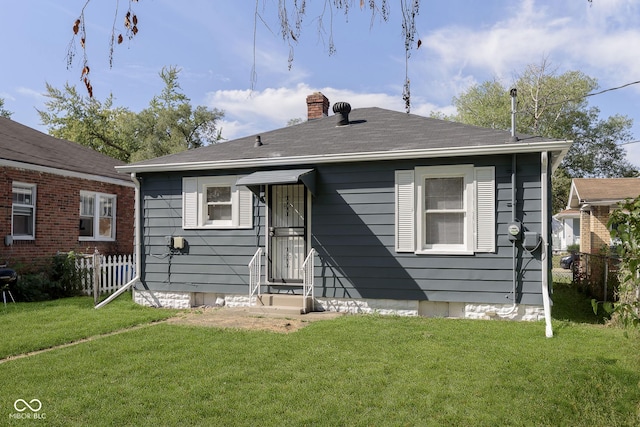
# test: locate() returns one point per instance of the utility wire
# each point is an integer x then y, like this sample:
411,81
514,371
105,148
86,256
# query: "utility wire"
612,89
594,94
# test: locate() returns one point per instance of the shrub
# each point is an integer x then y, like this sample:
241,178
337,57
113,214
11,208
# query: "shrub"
65,275
625,225
575,247
59,279
32,287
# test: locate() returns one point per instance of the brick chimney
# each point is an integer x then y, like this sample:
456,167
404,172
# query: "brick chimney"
317,106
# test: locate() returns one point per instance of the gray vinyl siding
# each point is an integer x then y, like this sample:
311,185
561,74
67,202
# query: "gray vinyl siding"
352,227
353,232
214,260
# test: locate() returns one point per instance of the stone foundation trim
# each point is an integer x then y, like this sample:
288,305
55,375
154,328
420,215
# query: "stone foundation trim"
461,310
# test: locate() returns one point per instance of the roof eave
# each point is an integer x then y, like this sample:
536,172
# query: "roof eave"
126,182
559,148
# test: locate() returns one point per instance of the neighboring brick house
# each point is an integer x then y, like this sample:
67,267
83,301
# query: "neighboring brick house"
57,195
595,198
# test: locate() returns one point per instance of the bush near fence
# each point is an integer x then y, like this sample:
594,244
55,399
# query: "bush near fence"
71,274
597,276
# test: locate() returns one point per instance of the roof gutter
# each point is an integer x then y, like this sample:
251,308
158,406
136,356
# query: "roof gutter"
137,243
559,147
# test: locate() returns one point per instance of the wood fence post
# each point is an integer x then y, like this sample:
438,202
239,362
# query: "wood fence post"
96,276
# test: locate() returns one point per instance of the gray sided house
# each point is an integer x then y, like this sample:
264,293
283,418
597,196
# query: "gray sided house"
369,210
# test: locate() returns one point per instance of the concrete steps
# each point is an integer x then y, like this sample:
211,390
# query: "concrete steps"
281,303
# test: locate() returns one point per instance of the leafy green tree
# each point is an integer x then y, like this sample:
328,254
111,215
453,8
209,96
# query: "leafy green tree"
555,106
625,223
87,121
168,125
4,112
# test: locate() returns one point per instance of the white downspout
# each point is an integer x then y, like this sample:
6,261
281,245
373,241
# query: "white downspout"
137,245
546,299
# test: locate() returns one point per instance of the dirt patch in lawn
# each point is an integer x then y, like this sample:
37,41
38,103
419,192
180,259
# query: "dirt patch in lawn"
245,318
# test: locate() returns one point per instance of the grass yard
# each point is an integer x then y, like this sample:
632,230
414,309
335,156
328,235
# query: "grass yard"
28,327
353,370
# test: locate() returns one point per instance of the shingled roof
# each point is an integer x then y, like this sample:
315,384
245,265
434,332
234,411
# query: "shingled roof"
602,191
372,133
27,146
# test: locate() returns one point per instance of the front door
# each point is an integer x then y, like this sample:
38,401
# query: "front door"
287,232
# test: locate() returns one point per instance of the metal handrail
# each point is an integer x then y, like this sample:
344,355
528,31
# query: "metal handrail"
308,279
255,269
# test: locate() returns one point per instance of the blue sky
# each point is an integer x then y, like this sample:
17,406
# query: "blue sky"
464,42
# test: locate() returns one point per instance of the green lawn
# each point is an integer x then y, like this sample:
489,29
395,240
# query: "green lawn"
27,327
354,370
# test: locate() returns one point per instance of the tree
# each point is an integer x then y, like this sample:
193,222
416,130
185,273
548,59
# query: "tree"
3,111
169,125
554,105
88,121
296,121
625,225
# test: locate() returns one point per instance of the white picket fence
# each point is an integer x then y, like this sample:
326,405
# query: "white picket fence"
113,271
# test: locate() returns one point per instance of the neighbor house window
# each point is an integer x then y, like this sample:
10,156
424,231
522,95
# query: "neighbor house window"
97,216
445,209
23,211
216,202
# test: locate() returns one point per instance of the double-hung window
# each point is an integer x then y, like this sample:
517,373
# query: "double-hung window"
216,202
444,204
23,211
219,204
97,216
445,210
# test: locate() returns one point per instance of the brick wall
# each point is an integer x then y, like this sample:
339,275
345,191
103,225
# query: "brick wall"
585,231
600,235
58,218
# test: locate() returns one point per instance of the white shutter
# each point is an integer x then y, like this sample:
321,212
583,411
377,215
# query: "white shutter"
245,207
189,203
405,211
485,214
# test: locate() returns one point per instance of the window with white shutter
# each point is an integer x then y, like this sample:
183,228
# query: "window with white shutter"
445,210
216,202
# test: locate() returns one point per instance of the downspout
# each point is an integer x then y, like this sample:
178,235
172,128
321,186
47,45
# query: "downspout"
137,244
513,244
546,299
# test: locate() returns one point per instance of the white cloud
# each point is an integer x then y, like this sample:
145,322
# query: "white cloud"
594,39
248,113
31,93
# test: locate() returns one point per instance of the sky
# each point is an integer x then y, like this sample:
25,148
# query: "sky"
216,44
